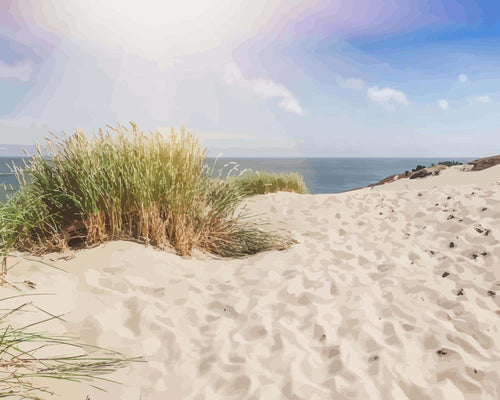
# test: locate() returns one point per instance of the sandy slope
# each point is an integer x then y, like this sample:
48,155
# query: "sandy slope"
358,309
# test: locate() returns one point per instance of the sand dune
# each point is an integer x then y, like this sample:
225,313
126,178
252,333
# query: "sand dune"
391,292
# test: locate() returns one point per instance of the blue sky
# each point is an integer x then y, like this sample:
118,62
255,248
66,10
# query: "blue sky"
263,78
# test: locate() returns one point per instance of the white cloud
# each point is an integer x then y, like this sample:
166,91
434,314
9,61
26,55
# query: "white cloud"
387,97
353,84
443,104
483,99
19,72
463,78
264,88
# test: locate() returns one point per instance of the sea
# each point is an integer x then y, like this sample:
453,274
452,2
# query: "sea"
321,175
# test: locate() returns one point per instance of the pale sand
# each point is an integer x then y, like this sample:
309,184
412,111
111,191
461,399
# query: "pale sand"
357,309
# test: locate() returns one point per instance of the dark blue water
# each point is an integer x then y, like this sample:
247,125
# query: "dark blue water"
321,175
335,175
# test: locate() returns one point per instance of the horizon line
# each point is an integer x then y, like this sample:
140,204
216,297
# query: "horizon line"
298,157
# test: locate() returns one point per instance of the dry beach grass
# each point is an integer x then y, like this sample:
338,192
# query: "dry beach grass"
125,184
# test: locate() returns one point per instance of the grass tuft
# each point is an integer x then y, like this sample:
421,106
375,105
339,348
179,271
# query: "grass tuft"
262,182
125,184
27,359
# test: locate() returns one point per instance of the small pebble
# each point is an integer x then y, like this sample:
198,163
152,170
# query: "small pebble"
445,274
442,352
460,292
452,245
491,293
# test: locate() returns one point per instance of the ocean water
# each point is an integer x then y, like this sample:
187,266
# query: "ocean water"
335,175
6,176
321,175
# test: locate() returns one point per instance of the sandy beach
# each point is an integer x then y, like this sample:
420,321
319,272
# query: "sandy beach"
391,292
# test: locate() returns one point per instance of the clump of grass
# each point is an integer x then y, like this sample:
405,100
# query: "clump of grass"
262,182
418,168
449,163
27,358
125,184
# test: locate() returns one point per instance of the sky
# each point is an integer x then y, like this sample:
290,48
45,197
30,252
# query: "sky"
266,78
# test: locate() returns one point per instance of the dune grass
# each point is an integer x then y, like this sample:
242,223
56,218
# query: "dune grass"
28,359
262,182
119,184
125,184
